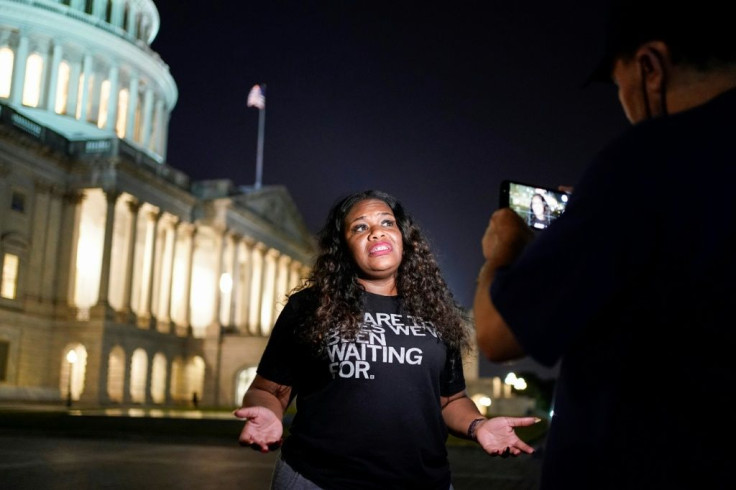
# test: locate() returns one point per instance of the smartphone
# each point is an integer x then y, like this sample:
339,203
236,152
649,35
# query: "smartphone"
539,206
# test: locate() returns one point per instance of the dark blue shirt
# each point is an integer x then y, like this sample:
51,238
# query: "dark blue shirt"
632,290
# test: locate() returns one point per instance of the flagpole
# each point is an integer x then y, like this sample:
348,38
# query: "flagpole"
259,156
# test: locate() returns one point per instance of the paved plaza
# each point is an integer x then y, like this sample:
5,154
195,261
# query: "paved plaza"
143,453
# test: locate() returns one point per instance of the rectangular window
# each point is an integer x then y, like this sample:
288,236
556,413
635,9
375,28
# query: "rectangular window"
4,349
18,202
9,285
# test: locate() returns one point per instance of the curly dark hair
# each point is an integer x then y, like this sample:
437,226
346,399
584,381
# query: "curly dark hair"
421,288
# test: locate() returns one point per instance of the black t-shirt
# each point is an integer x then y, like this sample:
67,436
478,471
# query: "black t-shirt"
368,412
632,289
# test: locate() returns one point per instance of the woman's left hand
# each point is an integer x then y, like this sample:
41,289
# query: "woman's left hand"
498,438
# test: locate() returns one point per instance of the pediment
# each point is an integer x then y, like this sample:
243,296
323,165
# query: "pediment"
274,205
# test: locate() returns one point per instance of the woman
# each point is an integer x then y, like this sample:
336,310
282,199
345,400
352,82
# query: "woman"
540,216
371,348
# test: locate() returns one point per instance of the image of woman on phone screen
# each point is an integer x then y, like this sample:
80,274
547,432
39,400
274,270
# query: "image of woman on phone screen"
540,213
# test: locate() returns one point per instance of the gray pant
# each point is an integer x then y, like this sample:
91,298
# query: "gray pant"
285,478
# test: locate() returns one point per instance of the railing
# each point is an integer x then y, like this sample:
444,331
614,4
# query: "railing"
90,148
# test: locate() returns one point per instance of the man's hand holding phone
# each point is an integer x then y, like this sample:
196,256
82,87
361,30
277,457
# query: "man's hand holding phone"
505,238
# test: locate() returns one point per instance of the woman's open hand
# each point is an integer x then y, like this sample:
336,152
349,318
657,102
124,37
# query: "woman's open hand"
498,438
263,429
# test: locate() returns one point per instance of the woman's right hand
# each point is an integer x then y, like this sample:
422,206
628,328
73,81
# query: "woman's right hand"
263,430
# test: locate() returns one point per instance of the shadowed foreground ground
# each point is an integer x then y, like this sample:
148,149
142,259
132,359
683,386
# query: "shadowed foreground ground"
56,449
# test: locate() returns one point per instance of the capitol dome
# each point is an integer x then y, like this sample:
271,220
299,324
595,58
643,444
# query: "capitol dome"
123,283
84,70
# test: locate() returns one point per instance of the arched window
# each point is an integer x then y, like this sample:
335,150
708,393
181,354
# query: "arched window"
177,383
158,378
122,119
138,373
137,135
62,88
195,377
116,374
73,372
34,74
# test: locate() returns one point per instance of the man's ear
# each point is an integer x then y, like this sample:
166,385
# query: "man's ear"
654,59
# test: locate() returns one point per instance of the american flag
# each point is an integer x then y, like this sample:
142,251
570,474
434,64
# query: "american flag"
257,97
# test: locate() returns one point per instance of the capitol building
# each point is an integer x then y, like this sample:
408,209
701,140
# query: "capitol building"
123,282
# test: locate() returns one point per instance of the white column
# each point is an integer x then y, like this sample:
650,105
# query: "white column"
53,78
112,104
132,14
179,274
40,232
73,91
19,71
116,18
188,291
103,300
295,274
163,134
268,296
282,284
52,257
132,107
68,248
98,8
227,259
242,303
158,144
256,277
167,274
154,216
86,76
134,207
147,115
233,270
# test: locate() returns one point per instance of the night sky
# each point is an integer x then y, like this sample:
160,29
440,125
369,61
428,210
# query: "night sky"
433,102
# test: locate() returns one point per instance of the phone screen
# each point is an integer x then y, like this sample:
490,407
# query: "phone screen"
539,206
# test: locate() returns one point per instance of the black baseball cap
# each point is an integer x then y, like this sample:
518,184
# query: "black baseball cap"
694,32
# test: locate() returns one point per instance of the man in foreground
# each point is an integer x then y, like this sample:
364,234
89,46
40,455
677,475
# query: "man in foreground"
631,288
